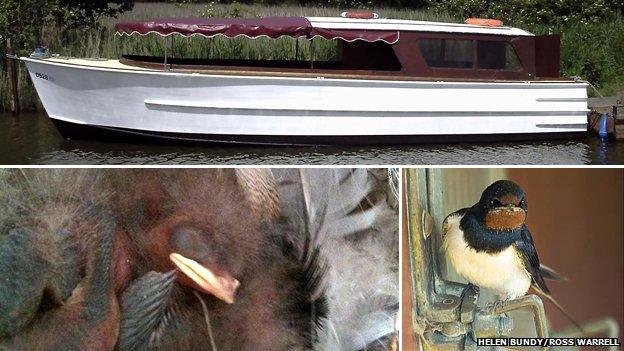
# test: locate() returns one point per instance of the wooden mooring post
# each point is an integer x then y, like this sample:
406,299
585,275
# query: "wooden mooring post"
13,77
618,115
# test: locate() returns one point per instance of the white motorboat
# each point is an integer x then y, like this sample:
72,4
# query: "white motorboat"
397,81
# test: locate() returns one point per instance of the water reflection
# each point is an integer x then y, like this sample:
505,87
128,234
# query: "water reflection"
31,139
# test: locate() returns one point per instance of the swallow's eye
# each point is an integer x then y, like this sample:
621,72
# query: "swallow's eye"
523,203
494,203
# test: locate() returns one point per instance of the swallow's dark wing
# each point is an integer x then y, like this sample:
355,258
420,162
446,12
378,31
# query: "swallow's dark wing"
529,257
145,310
528,254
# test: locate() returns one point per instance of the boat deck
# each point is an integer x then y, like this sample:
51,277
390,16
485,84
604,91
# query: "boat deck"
96,62
144,66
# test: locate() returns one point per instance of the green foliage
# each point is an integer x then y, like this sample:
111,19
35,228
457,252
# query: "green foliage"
180,3
354,4
593,51
80,14
234,10
531,12
22,20
344,4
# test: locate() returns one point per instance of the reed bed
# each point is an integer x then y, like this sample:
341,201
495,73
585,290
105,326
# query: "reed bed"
593,51
105,44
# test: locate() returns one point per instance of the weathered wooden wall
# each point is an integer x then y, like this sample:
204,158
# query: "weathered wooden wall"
576,217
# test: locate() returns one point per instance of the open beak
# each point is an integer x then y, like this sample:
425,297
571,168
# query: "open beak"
508,209
223,287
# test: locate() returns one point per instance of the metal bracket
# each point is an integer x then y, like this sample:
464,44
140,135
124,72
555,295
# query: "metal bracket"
532,302
493,322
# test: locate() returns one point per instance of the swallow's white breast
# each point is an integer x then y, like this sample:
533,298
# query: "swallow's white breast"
502,273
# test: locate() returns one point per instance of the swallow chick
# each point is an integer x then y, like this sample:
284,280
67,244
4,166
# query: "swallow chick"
214,272
490,246
58,272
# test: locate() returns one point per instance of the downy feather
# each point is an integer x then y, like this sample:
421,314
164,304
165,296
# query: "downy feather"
355,214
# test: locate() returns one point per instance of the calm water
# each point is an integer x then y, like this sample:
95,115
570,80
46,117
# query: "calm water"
32,139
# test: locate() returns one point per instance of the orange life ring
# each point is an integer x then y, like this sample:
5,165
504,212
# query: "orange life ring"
360,14
486,22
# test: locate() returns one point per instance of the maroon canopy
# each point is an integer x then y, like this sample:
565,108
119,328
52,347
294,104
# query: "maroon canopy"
272,27
389,37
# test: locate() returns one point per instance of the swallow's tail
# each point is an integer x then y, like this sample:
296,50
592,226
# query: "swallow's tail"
559,307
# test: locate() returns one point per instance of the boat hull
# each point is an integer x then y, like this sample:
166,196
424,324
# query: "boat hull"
173,106
101,133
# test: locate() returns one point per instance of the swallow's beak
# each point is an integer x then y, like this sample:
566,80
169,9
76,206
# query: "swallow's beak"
509,208
507,217
223,287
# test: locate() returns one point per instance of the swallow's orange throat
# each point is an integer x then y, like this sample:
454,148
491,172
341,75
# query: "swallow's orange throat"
505,218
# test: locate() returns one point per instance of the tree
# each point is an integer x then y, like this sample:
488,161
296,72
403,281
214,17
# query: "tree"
531,11
22,20
73,14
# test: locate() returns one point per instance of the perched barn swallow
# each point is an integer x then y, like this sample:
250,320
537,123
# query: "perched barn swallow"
490,246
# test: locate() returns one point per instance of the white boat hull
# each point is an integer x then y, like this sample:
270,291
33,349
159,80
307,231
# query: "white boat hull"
251,108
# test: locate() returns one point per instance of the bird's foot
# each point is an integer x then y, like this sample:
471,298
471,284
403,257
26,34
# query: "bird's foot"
469,289
492,307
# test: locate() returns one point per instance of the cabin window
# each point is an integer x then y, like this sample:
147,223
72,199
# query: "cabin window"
447,53
497,55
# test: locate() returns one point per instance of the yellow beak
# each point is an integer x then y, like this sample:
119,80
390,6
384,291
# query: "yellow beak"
222,287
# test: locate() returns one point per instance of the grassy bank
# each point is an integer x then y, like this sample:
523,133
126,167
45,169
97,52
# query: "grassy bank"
592,51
